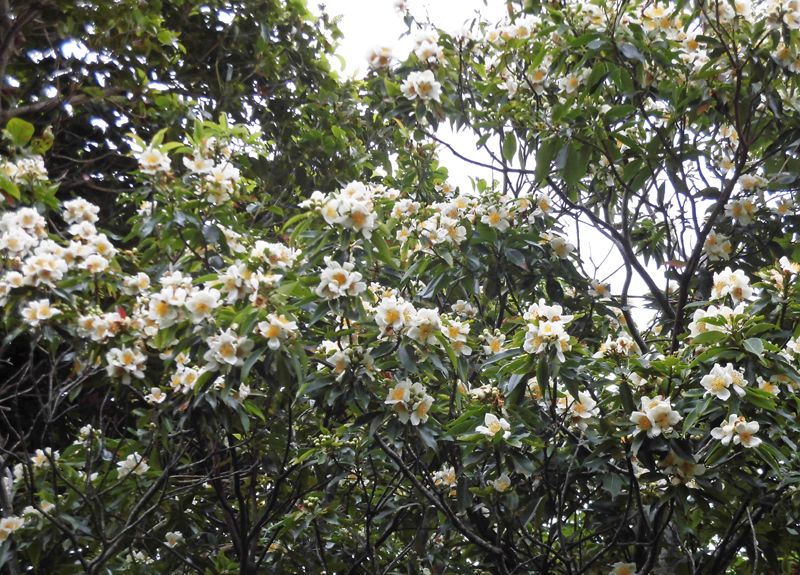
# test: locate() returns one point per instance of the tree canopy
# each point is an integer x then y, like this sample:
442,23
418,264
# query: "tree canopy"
251,325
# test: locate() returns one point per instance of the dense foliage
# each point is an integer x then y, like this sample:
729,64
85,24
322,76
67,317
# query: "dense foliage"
290,344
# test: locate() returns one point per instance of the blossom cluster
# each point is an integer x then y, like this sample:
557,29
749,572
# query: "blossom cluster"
410,401
546,329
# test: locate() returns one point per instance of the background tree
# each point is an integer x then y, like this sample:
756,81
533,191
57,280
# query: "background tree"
95,71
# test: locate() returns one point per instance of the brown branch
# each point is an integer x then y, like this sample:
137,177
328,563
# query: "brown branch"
441,506
49,104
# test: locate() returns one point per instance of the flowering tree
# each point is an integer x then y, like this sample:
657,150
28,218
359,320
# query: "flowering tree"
392,374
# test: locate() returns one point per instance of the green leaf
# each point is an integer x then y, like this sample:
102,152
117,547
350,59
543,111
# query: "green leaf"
613,483
468,421
252,359
407,358
627,396
501,356
631,52
543,376
382,249
427,436
754,345
695,415
576,165
708,337
772,456
760,398
522,464
19,132
9,187
252,409
516,257
544,157
509,146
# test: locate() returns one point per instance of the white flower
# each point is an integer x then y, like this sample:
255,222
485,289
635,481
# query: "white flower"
496,217
656,416
682,470
161,312
198,164
492,425
391,314
358,216
429,52
155,396
742,211
717,246
125,362
494,343
133,285
83,230
768,386
421,405
278,255
717,382
456,331
464,308
275,329
38,311
10,524
410,401
733,283
173,539
737,379
94,264
745,434
42,457
242,393
561,247
44,267
422,85
341,361
201,303
330,211
542,311
17,241
725,431
79,210
425,325
227,348
223,178
380,57
621,346
445,476
184,379
338,280
502,483
103,246
599,289
400,393
784,206
351,207
571,82
582,409
546,334
789,268
152,160
700,323
134,463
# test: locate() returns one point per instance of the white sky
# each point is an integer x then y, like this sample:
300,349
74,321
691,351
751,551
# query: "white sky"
369,23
